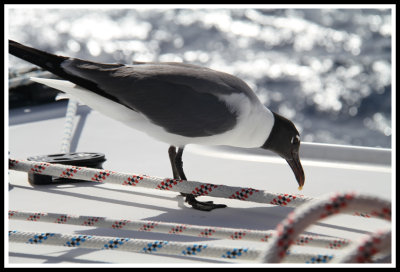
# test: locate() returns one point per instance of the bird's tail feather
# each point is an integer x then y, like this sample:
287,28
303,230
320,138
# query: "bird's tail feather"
51,63
40,58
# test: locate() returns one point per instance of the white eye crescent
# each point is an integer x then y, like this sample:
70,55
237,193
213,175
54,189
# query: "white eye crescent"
295,139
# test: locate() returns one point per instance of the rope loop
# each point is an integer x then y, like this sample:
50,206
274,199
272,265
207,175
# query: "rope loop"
298,220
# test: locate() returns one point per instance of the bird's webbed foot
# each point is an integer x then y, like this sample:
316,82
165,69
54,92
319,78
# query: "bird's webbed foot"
202,206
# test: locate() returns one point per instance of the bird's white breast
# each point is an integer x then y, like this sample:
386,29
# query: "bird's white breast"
254,122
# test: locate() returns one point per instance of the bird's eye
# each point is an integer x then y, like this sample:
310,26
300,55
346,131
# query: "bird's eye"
295,139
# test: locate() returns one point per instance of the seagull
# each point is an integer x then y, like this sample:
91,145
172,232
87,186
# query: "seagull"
176,103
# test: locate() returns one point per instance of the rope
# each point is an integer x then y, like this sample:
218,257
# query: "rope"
133,245
363,251
175,228
176,185
169,184
297,221
156,247
68,125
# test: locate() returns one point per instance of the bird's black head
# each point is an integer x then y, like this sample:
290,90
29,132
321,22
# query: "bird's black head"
284,140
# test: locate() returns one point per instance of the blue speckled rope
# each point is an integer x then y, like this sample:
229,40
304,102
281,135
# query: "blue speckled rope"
134,245
156,247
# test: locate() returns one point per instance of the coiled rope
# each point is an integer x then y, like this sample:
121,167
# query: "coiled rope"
297,221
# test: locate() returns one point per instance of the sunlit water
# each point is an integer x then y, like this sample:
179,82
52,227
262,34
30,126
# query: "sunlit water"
328,70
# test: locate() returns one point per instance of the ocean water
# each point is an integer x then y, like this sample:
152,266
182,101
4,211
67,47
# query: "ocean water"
328,70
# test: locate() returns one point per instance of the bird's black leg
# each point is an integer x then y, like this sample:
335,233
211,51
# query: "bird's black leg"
172,157
179,163
190,198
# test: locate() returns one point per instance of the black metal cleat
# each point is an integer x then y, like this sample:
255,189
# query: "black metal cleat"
85,159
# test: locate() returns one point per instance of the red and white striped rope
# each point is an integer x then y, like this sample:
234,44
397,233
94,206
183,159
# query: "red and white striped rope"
364,250
298,220
169,184
176,228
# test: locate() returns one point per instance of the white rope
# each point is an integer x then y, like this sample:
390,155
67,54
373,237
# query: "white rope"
363,251
133,245
175,228
69,125
297,221
175,185
156,247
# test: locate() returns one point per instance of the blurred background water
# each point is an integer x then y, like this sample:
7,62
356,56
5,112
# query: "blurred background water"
329,70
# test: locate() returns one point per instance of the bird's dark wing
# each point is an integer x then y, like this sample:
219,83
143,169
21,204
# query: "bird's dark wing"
183,99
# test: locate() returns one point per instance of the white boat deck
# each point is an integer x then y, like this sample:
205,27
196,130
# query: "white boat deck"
39,130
